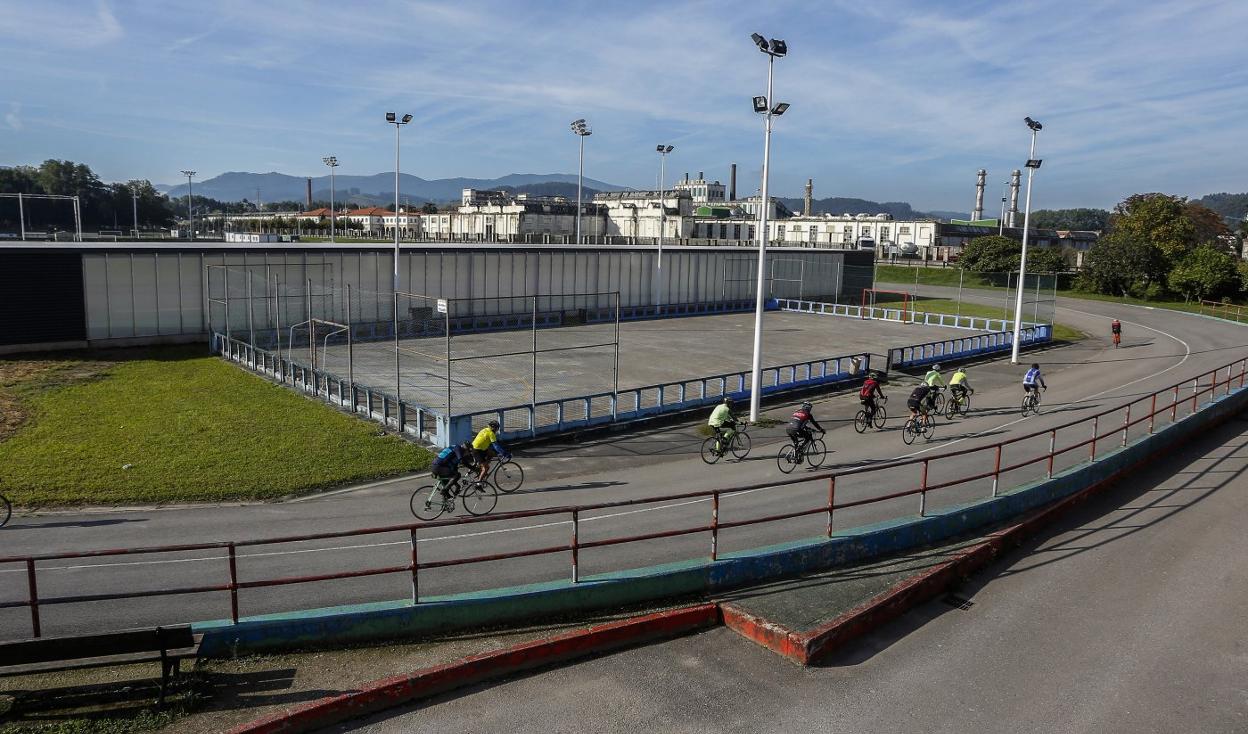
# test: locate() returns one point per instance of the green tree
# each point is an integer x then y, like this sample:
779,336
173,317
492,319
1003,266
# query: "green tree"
1205,272
429,208
991,254
1118,266
1086,219
1045,260
1158,220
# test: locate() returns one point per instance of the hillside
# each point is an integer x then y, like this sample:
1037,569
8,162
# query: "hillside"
377,188
849,205
1232,207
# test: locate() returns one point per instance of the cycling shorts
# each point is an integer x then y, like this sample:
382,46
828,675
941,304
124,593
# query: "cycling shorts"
914,404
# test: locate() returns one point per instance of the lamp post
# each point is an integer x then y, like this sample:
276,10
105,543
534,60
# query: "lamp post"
774,49
134,199
1033,164
1001,221
581,129
332,162
398,123
190,214
663,150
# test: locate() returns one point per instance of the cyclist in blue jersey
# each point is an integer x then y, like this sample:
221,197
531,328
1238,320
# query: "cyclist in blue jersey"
1032,380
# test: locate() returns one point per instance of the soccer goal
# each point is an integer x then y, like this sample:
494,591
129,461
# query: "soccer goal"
885,304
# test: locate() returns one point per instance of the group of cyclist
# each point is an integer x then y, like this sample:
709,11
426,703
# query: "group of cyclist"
475,454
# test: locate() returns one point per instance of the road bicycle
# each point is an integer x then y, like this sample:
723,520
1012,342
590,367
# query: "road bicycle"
1117,339
958,404
862,421
506,475
936,401
6,510
1031,402
811,450
739,445
923,426
479,497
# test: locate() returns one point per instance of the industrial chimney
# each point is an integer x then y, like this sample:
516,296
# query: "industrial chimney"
810,195
309,196
981,178
1015,182
732,183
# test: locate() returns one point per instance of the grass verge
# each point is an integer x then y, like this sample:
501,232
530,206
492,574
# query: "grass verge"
945,305
172,424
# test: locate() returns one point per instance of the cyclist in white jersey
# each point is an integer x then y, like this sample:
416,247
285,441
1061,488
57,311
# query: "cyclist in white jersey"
1033,379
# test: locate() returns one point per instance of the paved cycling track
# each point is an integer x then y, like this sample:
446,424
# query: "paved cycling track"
1159,347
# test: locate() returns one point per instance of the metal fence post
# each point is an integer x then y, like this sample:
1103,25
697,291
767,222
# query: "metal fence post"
350,354
1243,367
415,561
32,595
714,525
251,316
1096,420
1126,425
233,584
277,326
1174,406
923,489
1152,414
1052,446
996,472
831,501
576,545
307,301
449,415
533,385
615,370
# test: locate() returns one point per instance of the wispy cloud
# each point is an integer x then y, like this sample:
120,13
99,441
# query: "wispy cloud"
13,118
60,23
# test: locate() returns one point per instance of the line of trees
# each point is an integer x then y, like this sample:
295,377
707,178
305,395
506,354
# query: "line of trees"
103,205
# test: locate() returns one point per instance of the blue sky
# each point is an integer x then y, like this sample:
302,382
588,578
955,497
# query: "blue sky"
898,101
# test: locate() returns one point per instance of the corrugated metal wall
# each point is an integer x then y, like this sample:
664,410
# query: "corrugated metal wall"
41,298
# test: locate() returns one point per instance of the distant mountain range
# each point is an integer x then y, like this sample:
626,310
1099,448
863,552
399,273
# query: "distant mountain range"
374,189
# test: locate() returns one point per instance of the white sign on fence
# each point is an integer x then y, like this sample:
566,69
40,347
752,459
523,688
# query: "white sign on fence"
441,305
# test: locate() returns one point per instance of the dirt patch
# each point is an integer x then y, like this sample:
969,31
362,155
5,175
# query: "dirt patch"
20,377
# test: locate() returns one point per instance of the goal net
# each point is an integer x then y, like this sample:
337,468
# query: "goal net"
886,304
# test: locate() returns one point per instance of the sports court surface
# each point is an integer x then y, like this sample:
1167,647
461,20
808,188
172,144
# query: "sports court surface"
651,352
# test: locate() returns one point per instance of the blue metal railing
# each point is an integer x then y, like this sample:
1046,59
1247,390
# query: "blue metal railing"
917,355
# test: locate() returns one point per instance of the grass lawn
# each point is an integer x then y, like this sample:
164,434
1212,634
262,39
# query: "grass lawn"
173,424
945,305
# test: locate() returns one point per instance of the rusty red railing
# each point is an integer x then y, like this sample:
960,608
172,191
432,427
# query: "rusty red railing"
1207,383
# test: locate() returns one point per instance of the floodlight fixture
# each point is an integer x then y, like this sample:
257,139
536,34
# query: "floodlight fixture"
760,41
390,117
407,119
779,47
669,149
1033,163
760,104
1033,124
780,109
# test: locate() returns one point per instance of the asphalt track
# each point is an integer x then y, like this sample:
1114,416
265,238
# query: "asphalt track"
1127,616
1159,348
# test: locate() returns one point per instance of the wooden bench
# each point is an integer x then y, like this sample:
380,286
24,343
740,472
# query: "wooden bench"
167,645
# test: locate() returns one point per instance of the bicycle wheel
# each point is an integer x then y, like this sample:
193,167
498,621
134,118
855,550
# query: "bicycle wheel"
709,454
816,452
928,429
881,415
787,458
907,432
428,504
1026,405
938,404
861,422
508,476
479,497
741,445
964,405
6,510
951,409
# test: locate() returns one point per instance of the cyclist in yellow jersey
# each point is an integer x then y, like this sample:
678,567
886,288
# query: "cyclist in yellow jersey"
959,385
933,380
482,448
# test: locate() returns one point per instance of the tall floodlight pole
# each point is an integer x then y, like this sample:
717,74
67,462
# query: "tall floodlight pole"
581,129
1001,221
663,150
190,214
1033,164
398,123
332,162
774,49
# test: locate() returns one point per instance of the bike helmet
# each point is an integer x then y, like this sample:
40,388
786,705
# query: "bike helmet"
727,400
936,367
807,406
493,425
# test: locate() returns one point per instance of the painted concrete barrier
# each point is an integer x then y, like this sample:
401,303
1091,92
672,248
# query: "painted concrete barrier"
387,620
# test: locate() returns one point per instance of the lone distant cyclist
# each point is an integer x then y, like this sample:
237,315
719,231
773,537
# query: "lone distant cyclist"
1033,381
1116,329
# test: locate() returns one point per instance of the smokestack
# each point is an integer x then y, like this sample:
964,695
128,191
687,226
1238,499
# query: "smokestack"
309,196
732,183
981,178
1016,179
686,177
810,195
700,176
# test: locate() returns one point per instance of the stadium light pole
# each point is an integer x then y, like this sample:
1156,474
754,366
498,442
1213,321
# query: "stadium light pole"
134,199
774,49
1001,222
332,162
398,124
190,213
581,129
1033,164
663,150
